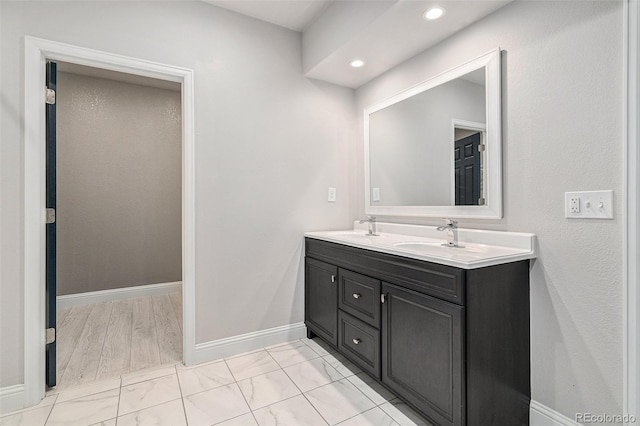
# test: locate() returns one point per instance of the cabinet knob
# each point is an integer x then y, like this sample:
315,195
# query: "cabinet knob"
356,295
356,341
333,278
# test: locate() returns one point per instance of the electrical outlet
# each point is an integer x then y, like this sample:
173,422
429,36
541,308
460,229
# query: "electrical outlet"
331,195
574,205
589,204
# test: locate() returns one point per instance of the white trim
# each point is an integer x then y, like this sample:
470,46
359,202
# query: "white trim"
541,415
493,145
631,224
11,398
100,296
216,349
37,51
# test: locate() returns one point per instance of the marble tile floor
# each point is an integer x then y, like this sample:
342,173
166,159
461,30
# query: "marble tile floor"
299,383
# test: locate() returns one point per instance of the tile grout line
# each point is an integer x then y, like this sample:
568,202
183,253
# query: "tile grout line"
366,411
365,395
358,389
31,408
51,411
305,397
119,397
184,409
296,363
242,393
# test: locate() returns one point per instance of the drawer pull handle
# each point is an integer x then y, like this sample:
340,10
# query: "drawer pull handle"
356,295
356,341
333,278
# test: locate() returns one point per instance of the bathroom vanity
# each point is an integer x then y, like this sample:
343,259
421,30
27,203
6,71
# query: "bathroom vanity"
446,329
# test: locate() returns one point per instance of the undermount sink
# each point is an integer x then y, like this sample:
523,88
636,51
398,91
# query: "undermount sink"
355,234
417,245
434,247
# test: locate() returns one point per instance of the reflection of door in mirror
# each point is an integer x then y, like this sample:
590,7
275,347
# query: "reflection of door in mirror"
468,146
467,170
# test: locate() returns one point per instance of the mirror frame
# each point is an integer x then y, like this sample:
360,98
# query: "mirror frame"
493,144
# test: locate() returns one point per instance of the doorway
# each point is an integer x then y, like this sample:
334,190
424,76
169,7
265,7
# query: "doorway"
114,251
37,53
469,171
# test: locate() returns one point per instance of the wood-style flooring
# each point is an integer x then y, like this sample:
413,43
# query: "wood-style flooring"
113,338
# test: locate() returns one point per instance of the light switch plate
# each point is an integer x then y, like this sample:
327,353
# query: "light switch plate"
376,194
588,204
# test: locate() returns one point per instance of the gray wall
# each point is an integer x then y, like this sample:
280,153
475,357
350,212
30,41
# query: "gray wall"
411,147
260,124
562,131
268,144
119,220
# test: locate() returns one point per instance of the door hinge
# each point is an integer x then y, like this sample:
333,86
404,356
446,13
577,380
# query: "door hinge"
51,216
481,201
382,298
50,335
50,96
481,147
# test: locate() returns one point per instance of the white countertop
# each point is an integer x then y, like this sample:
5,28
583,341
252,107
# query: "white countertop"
479,249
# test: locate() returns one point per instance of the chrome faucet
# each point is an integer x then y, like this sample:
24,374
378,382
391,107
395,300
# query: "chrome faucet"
372,225
451,226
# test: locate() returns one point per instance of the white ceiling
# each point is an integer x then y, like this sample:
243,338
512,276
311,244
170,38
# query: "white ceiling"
383,36
293,14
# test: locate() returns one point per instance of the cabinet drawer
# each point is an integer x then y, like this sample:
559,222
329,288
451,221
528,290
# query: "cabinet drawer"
359,295
359,342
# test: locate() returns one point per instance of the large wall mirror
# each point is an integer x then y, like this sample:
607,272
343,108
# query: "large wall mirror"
434,150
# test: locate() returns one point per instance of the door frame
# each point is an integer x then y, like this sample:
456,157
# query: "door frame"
631,207
37,52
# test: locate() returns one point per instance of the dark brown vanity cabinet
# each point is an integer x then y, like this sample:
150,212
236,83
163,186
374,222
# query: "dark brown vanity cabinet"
451,342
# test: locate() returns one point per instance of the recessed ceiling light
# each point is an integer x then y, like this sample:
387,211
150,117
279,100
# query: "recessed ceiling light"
433,13
357,63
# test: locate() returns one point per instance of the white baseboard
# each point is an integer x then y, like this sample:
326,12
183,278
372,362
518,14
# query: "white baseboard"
541,415
216,349
91,297
11,398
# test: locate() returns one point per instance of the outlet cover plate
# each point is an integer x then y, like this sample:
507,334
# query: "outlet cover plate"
592,204
331,195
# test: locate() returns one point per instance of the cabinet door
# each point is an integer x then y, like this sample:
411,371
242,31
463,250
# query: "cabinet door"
422,359
321,299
